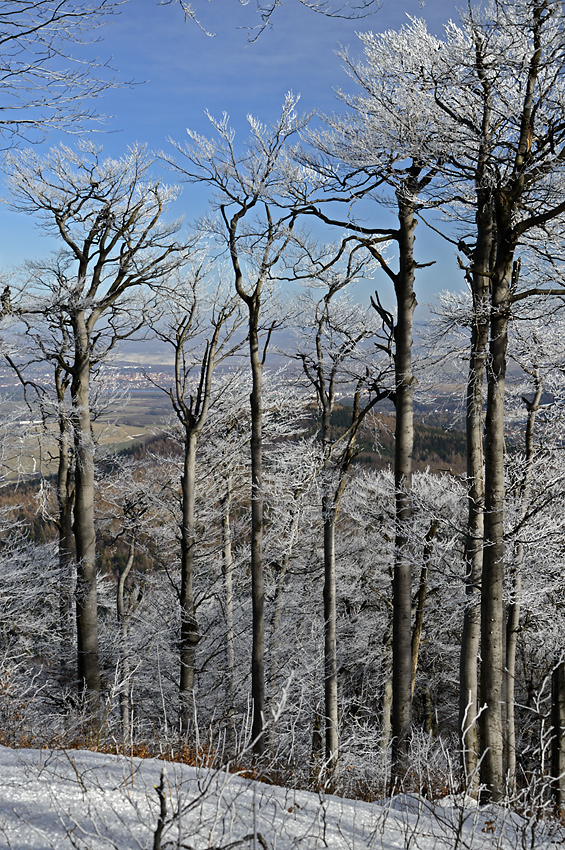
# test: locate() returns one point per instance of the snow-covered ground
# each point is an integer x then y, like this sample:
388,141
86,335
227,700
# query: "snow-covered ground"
72,799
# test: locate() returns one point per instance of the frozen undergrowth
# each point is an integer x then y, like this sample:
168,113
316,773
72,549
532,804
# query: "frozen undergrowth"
60,799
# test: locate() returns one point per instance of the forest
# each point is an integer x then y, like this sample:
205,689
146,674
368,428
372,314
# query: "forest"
303,577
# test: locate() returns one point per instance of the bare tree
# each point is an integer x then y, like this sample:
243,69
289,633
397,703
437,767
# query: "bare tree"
266,10
254,200
387,149
108,215
337,362
511,145
200,327
46,83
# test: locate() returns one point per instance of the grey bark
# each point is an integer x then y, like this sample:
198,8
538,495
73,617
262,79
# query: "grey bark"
492,604
257,511
404,444
189,635
513,610
65,502
83,527
227,569
386,701
482,263
108,218
470,638
191,410
421,601
275,650
323,372
330,637
252,300
124,668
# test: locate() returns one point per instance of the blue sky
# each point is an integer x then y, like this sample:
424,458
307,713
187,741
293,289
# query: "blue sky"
179,72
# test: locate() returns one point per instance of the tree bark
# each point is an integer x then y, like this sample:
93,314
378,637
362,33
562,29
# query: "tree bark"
124,669
404,443
386,702
421,602
330,637
558,734
513,613
227,566
84,529
492,604
189,635
278,604
65,502
470,639
257,510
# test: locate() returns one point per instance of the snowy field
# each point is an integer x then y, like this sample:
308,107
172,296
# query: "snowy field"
71,799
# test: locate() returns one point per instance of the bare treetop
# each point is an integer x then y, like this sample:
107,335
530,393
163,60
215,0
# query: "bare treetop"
349,9
108,213
43,85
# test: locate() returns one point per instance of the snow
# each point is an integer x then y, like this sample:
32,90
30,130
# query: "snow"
60,799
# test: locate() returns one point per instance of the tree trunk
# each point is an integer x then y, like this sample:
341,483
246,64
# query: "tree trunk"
278,606
227,565
84,529
330,637
386,702
124,683
189,635
492,603
65,502
257,585
404,443
513,614
470,639
558,734
421,601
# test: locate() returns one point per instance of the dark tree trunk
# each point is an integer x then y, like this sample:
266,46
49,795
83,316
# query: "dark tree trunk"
558,734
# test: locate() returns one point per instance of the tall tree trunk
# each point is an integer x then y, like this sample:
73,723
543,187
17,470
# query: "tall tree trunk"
404,444
421,601
124,669
257,584
513,614
278,606
84,529
558,733
189,635
492,603
227,567
330,636
386,701
470,640
65,502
